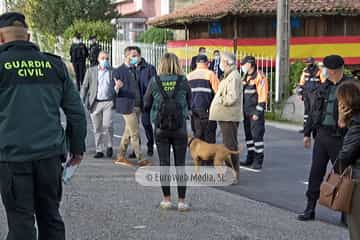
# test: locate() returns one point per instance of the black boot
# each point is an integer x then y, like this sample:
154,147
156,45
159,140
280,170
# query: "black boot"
258,161
109,152
257,165
309,213
249,161
150,151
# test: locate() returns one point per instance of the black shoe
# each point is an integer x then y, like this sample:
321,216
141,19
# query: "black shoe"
132,155
150,152
247,163
109,152
99,155
307,215
256,166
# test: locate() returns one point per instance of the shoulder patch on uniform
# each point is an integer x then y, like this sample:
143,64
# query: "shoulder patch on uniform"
52,55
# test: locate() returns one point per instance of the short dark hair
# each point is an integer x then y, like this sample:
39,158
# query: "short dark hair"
201,59
202,48
130,48
216,51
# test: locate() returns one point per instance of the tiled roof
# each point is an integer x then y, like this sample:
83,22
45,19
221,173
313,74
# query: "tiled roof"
213,9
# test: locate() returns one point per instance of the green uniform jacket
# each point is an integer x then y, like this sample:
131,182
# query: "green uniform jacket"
152,98
33,88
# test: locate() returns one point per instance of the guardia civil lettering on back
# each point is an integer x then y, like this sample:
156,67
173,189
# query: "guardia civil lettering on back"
33,144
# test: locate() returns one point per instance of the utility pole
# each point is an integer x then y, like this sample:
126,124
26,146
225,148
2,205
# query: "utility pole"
2,6
282,49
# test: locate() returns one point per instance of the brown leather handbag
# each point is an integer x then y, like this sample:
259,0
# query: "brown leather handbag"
336,191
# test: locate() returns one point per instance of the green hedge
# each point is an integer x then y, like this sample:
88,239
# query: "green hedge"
156,35
103,30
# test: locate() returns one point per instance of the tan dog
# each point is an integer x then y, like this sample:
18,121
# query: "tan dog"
219,153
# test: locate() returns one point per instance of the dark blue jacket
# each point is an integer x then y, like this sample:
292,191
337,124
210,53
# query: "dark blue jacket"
145,72
125,98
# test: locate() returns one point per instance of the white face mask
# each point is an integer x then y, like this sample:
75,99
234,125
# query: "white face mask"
221,67
325,73
244,69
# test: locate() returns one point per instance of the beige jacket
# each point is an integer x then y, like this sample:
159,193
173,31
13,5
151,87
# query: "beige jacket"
227,104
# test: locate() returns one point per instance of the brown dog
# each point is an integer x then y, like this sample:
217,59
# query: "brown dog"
219,153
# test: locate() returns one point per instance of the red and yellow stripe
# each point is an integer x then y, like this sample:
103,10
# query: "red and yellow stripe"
300,48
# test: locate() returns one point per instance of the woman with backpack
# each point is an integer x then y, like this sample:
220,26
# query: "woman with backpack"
348,95
168,99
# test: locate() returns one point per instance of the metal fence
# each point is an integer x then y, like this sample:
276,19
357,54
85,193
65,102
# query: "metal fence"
150,52
104,46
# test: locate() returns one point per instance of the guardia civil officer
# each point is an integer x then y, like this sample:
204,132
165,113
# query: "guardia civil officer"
255,99
328,141
310,80
78,55
33,144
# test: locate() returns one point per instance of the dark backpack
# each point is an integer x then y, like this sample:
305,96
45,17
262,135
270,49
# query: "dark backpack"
169,116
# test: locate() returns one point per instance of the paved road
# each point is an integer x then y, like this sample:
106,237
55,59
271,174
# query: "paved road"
282,182
104,202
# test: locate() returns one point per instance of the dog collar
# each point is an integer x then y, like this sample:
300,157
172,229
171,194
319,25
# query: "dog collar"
191,140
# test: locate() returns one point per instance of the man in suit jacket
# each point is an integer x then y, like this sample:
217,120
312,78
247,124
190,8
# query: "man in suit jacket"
98,94
202,51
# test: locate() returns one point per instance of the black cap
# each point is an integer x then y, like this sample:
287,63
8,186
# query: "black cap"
248,59
202,59
12,19
333,62
92,37
309,60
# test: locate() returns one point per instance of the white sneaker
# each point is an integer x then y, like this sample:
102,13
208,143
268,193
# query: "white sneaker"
165,205
183,207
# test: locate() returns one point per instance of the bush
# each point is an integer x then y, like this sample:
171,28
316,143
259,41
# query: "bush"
104,31
296,70
156,35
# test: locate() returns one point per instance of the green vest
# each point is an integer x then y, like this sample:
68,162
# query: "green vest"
328,118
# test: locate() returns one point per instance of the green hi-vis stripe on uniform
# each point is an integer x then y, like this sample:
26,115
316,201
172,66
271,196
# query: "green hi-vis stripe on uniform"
28,68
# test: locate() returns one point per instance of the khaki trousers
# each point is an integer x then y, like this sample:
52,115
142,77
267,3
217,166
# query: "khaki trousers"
131,134
353,219
101,117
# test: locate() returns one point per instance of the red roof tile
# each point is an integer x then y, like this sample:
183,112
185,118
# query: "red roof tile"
213,9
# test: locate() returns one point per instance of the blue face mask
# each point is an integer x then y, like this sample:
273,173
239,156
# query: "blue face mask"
133,60
105,64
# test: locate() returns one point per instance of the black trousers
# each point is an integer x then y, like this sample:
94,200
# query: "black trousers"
29,190
202,127
326,147
309,97
149,132
80,69
254,137
229,132
178,141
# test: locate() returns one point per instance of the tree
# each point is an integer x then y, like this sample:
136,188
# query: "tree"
55,16
103,30
156,35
